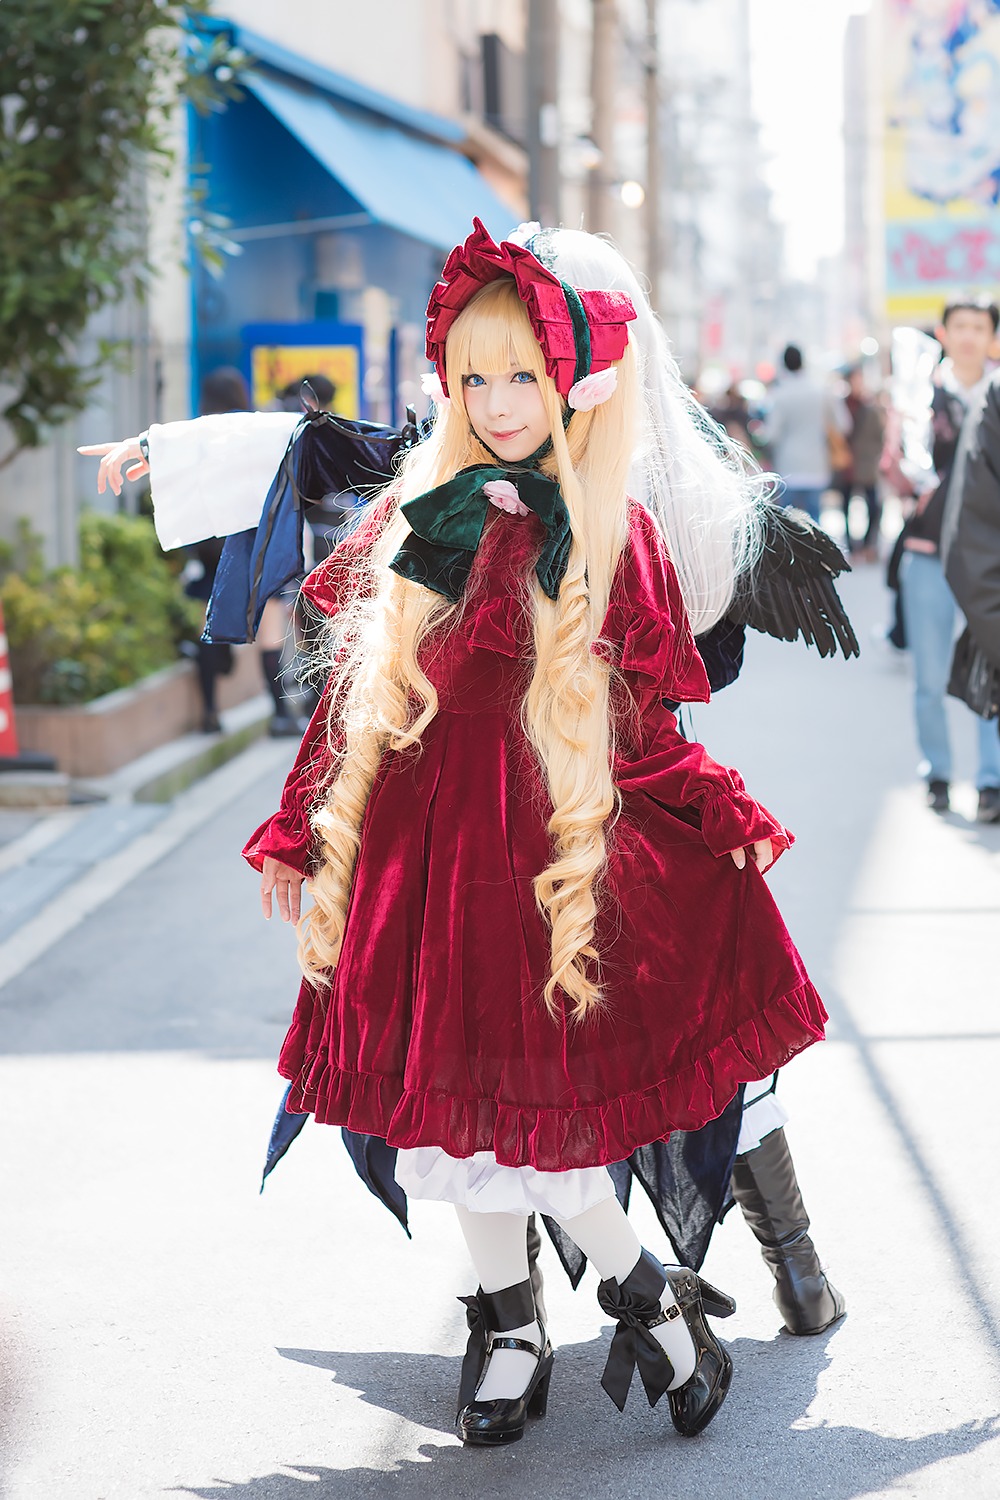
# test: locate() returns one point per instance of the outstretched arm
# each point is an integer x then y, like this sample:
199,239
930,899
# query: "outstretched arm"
209,476
114,457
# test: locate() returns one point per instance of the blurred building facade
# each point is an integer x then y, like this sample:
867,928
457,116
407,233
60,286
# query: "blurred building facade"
364,140
719,261
922,158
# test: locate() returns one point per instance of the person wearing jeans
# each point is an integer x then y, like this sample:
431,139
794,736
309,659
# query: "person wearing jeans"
966,333
930,614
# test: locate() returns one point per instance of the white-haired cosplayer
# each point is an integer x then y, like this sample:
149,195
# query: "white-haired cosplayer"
537,944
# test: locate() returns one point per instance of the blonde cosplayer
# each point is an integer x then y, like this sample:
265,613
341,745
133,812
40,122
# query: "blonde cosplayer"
381,700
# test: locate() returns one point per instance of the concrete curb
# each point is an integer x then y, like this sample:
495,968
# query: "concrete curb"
157,776
163,773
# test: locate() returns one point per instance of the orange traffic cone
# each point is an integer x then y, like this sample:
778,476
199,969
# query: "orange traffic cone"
11,757
8,729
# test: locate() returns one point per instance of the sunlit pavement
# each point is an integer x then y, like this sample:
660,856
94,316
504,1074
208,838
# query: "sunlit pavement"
168,1332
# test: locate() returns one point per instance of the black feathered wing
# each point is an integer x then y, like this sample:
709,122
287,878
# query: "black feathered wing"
789,592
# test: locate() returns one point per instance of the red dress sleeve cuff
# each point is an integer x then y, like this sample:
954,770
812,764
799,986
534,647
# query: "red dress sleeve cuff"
276,839
733,820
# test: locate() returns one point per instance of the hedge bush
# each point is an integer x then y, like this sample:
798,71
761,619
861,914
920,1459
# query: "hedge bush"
77,633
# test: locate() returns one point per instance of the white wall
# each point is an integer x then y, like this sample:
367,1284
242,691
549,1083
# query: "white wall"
405,48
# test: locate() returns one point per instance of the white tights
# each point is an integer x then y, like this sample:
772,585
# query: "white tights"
498,1247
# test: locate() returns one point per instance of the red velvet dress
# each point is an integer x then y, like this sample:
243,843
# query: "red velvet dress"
433,1031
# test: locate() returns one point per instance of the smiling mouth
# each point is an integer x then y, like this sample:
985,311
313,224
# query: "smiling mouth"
504,437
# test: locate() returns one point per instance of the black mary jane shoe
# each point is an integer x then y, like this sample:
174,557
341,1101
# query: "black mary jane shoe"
695,1403
635,1303
492,1424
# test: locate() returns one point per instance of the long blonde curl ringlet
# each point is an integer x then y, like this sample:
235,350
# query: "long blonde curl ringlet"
381,701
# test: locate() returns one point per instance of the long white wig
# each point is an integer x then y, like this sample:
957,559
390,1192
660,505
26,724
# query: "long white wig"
704,490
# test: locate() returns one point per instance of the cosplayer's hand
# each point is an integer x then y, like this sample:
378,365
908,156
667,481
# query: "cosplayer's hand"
286,884
114,457
761,853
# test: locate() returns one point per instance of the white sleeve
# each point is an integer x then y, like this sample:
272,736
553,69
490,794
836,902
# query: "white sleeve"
210,476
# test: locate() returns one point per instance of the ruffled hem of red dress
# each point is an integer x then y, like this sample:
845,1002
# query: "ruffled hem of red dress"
558,1140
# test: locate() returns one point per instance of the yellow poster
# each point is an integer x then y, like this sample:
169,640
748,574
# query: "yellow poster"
275,366
942,153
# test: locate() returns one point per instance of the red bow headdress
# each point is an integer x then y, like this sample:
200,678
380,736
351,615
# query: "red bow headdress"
580,333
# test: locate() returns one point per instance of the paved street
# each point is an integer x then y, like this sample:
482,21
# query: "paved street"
168,1332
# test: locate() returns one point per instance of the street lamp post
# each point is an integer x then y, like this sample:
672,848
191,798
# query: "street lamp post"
543,110
603,72
652,70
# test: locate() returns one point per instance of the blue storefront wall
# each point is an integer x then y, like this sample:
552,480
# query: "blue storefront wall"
260,176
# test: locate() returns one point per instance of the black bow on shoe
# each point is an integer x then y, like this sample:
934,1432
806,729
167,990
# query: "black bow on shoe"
496,1313
636,1304
475,1353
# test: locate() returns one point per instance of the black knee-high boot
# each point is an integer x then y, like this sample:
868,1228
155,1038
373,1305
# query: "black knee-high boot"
765,1187
535,1270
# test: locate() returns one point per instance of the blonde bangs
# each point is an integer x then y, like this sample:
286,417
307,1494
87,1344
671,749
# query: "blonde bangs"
490,335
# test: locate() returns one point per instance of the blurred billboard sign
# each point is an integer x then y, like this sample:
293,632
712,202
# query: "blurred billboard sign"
279,353
942,153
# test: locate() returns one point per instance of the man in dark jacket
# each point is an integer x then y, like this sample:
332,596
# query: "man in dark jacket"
967,332
970,545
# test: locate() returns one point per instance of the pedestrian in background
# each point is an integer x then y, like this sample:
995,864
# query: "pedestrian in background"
222,390
967,333
802,422
970,550
733,416
865,435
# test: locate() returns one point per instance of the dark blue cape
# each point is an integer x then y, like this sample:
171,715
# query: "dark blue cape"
326,455
685,1178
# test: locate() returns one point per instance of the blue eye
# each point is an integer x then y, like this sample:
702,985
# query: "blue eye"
524,377
473,380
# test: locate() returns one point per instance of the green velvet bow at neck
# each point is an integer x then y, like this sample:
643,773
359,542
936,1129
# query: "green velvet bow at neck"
447,526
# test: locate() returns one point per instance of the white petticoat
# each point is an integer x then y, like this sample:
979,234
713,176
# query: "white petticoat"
762,1113
480,1184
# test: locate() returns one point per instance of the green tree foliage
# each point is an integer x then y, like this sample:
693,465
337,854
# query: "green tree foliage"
85,86
76,633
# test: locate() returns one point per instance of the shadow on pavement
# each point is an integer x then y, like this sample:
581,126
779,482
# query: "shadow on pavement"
584,1448
954,1238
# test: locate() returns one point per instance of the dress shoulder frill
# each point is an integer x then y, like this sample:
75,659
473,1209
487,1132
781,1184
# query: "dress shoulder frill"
432,1031
646,633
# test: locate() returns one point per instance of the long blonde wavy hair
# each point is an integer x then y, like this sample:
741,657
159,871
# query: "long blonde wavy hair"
382,701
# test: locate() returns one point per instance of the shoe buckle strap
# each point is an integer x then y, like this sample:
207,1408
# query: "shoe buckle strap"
667,1315
501,1341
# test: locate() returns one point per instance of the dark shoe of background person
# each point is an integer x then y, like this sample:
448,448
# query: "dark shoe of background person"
210,724
636,1304
765,1186
937,796
495,1423
988,810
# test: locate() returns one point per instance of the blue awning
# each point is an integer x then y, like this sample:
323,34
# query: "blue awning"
400,179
